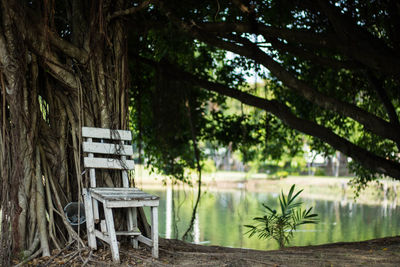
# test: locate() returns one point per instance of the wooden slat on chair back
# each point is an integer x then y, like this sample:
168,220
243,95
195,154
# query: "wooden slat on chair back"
106,135
104,148
93,132
107,163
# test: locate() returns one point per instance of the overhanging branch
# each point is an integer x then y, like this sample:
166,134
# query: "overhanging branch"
366,158
359,43
130,11
317,59
291,35
347,43
371,122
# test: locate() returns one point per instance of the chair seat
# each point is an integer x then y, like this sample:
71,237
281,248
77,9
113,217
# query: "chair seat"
120,194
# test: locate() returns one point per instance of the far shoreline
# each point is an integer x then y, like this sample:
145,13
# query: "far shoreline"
382,192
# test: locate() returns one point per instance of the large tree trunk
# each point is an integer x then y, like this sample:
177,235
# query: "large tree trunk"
52,85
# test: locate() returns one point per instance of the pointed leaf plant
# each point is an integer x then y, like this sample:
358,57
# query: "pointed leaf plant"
281,226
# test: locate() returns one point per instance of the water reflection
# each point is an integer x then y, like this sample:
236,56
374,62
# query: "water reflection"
168,213
222,214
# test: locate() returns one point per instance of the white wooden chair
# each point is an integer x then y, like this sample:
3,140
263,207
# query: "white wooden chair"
108,149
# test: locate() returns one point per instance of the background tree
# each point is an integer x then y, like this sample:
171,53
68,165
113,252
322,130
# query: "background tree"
332,69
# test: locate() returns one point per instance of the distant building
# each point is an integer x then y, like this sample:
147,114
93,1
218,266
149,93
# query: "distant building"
335,165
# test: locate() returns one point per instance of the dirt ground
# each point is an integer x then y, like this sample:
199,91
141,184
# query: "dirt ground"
377,252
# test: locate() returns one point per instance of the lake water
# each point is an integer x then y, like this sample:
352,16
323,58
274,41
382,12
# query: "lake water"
222,214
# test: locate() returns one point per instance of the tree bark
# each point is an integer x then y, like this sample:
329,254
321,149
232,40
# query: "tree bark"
52,86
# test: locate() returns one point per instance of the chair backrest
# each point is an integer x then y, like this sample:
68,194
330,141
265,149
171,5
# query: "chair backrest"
112,146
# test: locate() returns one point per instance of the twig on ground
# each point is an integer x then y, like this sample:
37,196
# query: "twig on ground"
165,250
73,254
59,253
153,262
88,258
34,255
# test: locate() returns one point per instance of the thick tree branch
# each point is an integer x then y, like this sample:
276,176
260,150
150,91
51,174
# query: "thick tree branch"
320,60
298,52
361,44
371,122
5,59
384,98
39,44
291,35
245,9
284,113
383,61
10,50
34,29
67,48
130,11
58,70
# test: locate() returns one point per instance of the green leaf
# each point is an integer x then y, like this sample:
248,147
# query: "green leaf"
291,191
269,209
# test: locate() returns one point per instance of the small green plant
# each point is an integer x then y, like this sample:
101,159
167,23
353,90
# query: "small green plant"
282,174
281,226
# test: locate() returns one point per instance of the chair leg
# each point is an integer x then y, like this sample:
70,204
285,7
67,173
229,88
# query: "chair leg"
89,220
132,225
95,206
111,233
154,231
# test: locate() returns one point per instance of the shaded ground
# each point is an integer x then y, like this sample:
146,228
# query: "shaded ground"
377,252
